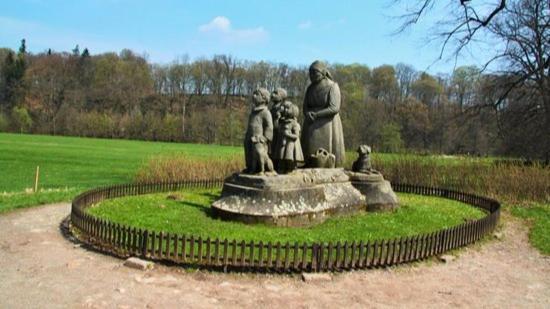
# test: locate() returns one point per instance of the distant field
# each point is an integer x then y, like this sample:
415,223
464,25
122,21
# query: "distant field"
69,165
76,162
84,162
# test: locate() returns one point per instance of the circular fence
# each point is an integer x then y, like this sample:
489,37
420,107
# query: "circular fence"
220,253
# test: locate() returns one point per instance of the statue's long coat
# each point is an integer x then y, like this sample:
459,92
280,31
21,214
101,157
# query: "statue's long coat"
325,131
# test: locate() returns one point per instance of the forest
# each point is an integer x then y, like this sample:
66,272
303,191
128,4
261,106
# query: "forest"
394,108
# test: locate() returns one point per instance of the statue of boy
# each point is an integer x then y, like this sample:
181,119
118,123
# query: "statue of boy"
259,134
278,97
288,148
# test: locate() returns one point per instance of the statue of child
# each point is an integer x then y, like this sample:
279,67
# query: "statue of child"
258,135
278,97
289,150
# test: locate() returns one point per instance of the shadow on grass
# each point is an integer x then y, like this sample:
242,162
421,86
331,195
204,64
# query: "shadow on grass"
201,207
211,196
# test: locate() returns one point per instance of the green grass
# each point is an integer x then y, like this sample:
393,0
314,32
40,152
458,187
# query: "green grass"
538,215
15,200
79,164
417,214
70,165
76,164
84,162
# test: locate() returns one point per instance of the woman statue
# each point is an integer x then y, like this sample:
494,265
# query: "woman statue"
322,125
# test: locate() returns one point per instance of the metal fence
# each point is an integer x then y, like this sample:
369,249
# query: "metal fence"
124,241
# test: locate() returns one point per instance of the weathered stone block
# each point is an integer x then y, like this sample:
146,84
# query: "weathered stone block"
304,197
377,191
315,277
134,262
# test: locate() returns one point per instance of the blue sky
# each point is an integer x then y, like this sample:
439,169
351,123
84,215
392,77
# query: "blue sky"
295,32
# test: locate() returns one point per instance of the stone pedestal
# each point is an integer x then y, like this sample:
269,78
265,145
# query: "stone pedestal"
378,192
304,197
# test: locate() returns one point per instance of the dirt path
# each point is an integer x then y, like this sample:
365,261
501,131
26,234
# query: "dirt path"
40,268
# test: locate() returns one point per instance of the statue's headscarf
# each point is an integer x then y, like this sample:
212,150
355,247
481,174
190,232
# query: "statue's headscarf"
321,67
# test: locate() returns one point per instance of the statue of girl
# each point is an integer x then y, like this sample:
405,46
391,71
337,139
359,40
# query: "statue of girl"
289,150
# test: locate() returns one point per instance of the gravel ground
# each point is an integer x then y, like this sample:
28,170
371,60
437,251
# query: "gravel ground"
40,268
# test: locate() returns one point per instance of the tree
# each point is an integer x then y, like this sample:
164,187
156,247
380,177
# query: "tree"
464,83
13,70
463,22
413,116
85,53
229,67
406,74
119,82
519,34
298,80
76,51
390,138
180,75
198,74
383,85
4,123
426,89
21,119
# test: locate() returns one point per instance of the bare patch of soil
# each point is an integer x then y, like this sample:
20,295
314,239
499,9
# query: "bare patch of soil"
40,268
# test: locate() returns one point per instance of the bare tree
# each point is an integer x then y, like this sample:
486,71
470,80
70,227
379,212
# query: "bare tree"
198,74
406,74
180,75
230,65
464,20
519,34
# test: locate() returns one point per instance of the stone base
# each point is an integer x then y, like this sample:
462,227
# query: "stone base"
303,197
377,191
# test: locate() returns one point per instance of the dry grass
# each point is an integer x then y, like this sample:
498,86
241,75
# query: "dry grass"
507,183
174,168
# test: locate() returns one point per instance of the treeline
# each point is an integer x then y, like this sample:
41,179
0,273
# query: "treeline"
393,108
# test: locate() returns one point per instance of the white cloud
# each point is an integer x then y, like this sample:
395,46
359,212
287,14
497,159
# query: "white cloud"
221,27
219,23
305,25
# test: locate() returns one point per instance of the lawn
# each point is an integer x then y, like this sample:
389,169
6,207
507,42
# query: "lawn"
191,216
69,165
72,164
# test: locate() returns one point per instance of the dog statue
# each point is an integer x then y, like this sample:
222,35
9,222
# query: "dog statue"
363,163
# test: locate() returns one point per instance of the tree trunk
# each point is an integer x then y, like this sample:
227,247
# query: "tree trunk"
183,109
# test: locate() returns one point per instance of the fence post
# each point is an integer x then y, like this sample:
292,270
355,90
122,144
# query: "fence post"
144,241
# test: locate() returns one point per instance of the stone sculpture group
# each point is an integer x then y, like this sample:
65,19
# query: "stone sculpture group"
275,141
294,174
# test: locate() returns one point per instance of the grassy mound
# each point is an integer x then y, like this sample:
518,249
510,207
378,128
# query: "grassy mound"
538,216
191,215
